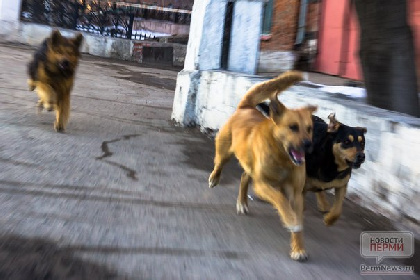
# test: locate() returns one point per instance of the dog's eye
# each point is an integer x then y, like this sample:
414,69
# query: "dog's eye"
294,127
347,142
309,129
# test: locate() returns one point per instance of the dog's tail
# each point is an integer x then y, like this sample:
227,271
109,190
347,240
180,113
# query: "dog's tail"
262,91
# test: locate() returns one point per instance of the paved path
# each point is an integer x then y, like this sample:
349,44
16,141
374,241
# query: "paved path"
123,194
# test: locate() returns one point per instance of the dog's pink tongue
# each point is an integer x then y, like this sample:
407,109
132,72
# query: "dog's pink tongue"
299,156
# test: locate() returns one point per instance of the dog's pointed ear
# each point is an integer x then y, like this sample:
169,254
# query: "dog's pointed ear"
78,40
363,129
276,108
55,37
334,125
312,108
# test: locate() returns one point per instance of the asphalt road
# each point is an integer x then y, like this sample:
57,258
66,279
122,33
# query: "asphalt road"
123,194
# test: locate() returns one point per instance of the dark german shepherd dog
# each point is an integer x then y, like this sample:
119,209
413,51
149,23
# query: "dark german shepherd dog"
51,74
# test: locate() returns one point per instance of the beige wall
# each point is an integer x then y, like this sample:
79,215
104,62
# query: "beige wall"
161,26
181,4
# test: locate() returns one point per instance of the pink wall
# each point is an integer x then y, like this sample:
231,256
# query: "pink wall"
414,8
352,69
330,33
336,56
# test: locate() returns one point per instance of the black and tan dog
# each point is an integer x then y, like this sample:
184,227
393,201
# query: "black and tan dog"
52,72
271,151
336,150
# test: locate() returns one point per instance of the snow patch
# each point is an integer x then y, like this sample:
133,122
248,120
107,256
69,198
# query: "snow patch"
354,92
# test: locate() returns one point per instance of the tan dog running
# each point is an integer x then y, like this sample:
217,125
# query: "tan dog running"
271,151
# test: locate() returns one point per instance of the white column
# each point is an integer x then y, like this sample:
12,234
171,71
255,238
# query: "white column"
205,39
204,52
10,10
245,36
9,19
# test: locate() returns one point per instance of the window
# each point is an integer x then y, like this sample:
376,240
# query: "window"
267,17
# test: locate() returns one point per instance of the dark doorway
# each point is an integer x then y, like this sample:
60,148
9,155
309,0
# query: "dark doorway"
226,35
161,55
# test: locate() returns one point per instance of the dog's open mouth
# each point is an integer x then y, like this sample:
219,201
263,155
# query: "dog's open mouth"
297,155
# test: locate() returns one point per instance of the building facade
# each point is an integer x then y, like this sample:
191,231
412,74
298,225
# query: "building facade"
339,38
322,33
176,4
289,26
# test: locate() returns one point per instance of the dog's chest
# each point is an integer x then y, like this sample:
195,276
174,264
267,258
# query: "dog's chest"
283,174
276,174
313,184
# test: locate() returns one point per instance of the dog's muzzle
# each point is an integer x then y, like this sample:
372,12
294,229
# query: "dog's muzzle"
65,68
297,155
360,158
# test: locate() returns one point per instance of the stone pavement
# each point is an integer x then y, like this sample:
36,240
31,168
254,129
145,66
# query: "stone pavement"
123,194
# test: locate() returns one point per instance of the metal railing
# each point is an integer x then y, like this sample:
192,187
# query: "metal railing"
99,17
179,16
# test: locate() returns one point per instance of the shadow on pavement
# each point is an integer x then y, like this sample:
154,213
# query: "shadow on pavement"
200,155
23,259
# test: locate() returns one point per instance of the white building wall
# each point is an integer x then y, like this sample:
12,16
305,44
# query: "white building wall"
10,10
205,39
245,37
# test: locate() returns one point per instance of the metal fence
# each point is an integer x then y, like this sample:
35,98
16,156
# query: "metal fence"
99,17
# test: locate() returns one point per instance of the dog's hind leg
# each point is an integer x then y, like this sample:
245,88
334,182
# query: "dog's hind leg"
242,202
63,112
335,212
222,155
322,202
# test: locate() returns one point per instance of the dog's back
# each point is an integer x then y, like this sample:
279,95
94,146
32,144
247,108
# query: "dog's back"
320,160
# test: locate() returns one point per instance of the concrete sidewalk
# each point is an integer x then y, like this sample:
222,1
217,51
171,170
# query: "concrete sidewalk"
123,194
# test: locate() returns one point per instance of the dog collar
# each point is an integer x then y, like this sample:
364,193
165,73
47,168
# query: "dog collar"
344,173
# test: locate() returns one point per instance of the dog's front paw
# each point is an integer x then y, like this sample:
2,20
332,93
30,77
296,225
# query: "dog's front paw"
330,219
39,107
31,85
299,255
58,127
241,208
213,180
